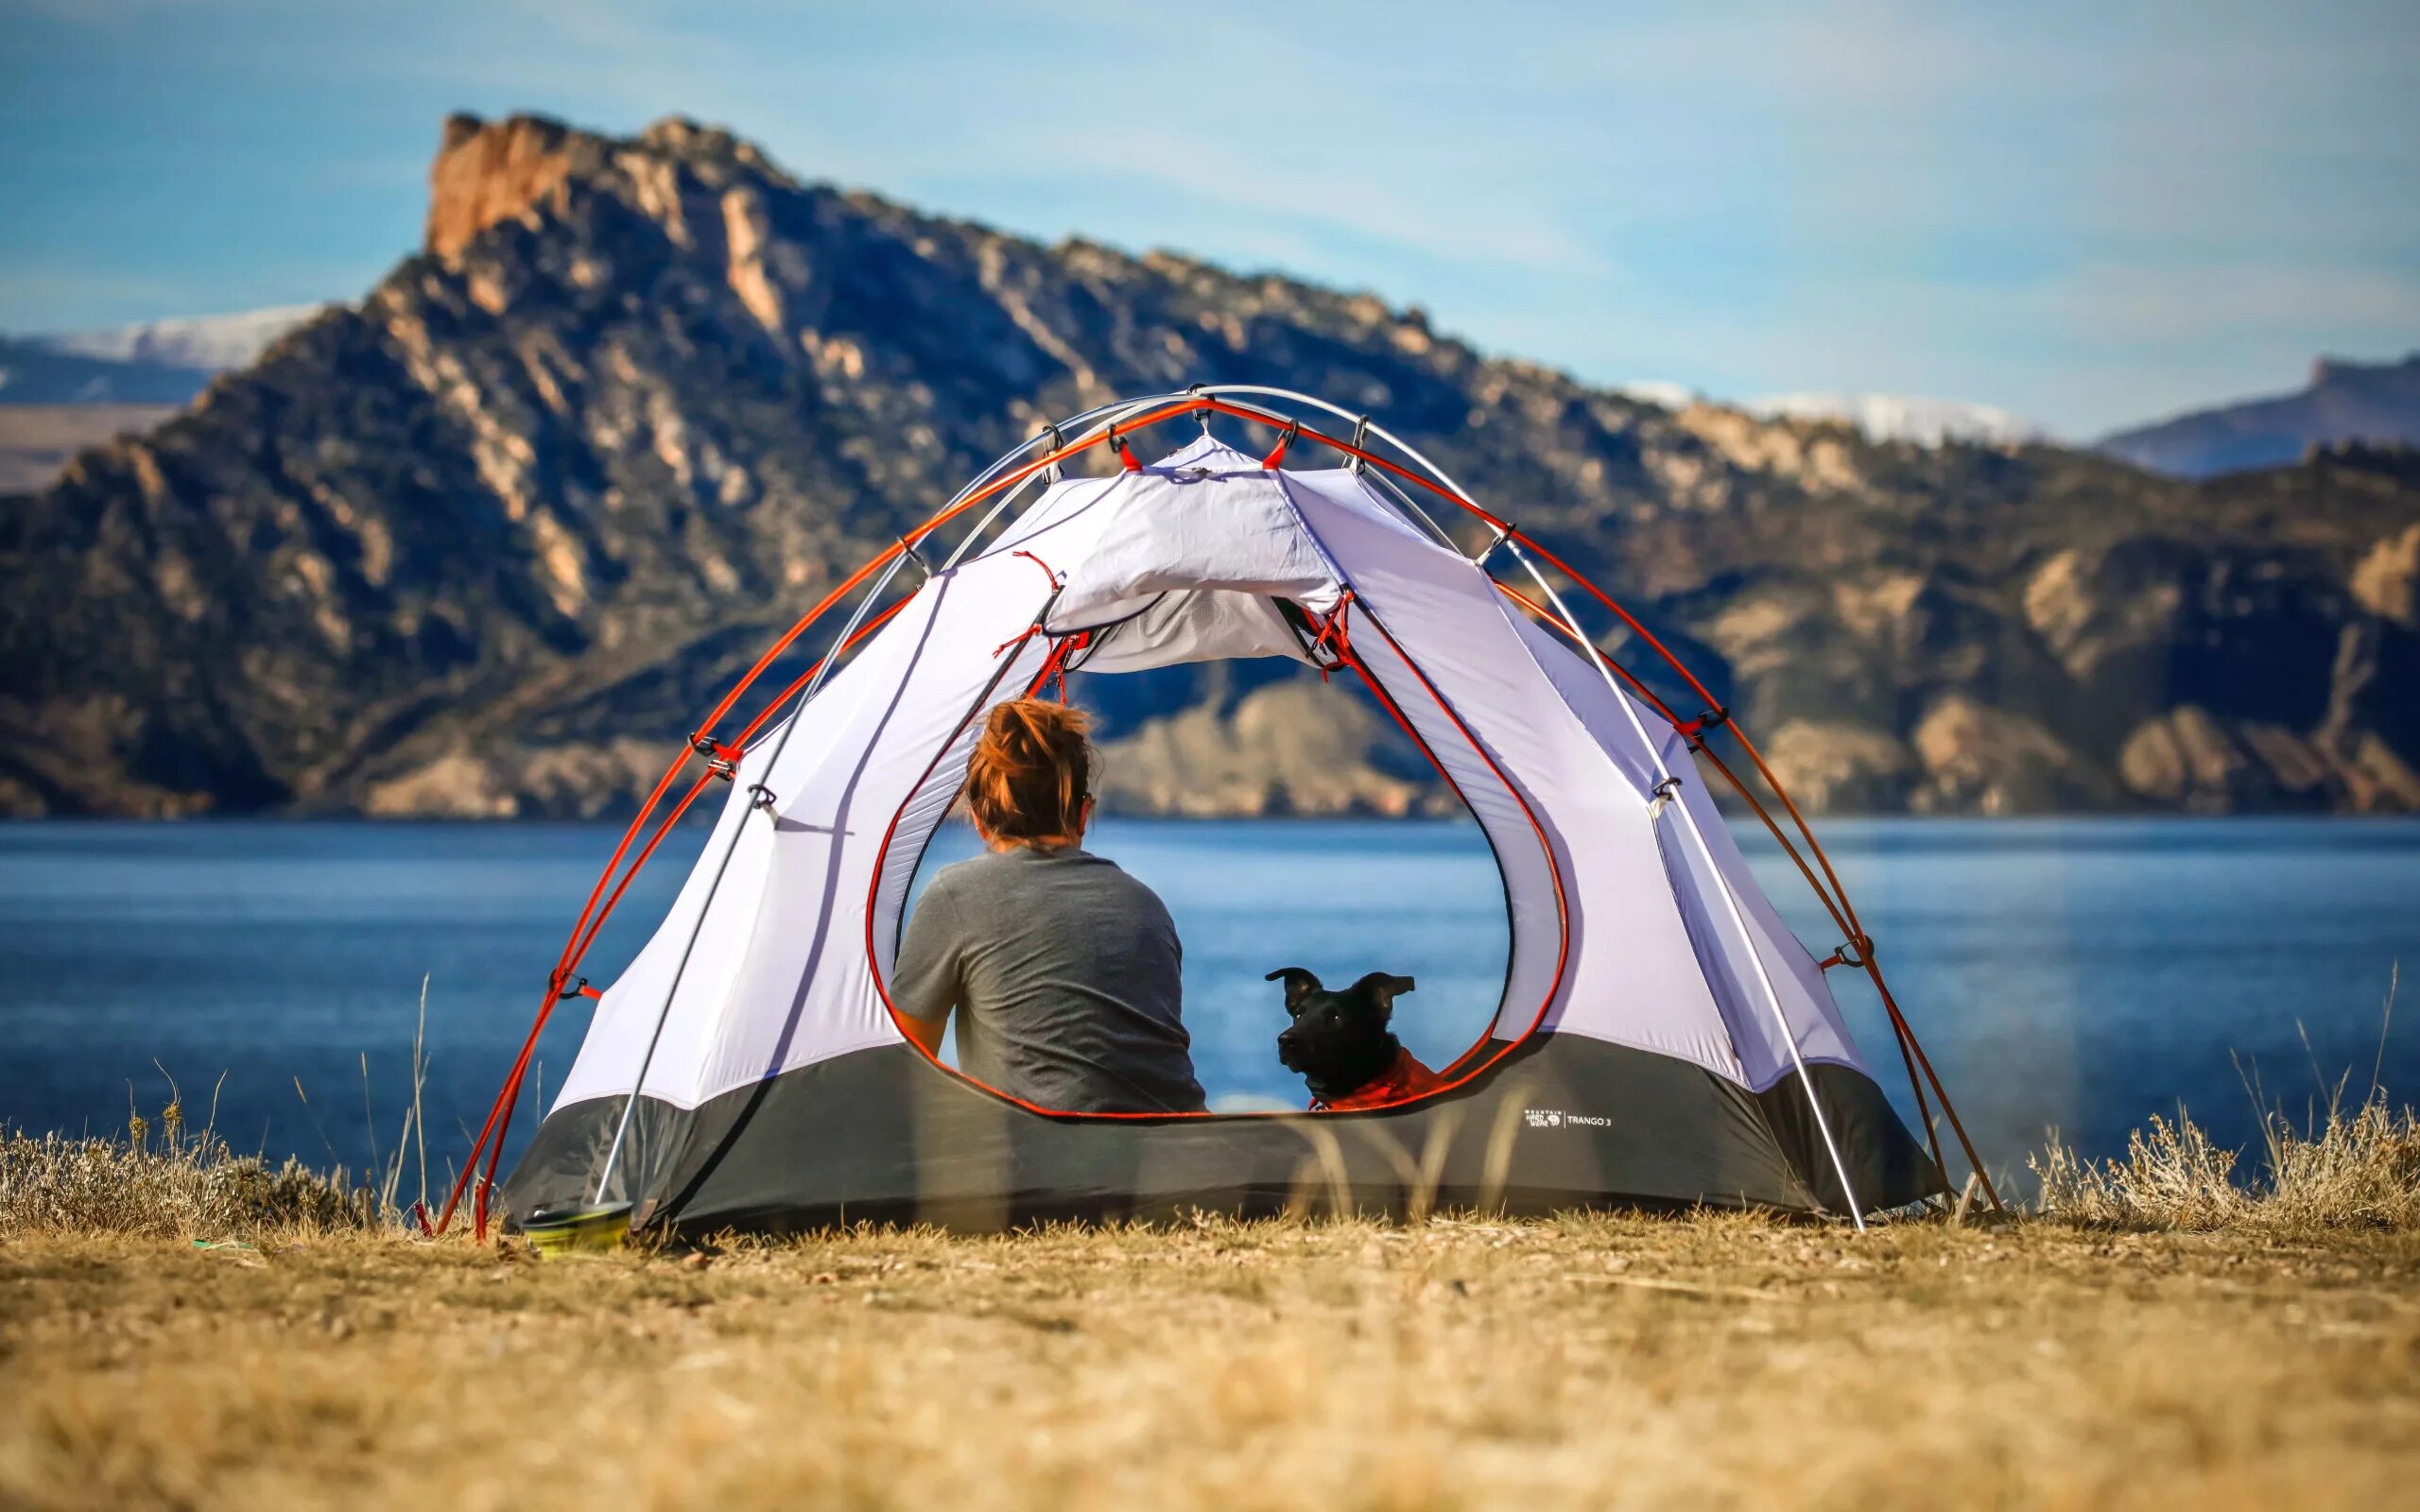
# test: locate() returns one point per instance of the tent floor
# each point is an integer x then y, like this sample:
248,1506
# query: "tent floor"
1562,1122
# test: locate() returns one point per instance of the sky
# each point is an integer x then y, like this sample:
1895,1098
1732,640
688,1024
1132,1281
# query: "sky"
2088,215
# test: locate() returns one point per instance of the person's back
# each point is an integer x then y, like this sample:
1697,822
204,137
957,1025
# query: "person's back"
1064,971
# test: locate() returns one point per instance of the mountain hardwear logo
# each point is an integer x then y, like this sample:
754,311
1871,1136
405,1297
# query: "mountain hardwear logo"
1556,1118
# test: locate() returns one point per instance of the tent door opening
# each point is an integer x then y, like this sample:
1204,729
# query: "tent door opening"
1424,900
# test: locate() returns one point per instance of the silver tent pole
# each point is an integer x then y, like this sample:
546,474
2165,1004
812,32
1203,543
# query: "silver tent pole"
731,847
1721,883
781,742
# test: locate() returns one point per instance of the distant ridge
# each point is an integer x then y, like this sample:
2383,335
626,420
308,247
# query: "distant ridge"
209,343
2345,402
35,373
158,362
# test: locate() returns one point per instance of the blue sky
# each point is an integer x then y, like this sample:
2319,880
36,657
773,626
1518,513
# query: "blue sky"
2089,214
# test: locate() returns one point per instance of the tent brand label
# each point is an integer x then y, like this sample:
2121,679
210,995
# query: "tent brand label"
1555,1118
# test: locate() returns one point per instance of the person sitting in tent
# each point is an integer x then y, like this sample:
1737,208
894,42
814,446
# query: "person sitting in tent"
1063,969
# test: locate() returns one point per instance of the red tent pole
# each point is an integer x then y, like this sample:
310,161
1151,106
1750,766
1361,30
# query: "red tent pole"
592,919
1910,1047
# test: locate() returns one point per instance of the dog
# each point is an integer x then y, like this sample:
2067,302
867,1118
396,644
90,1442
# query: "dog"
1341,1046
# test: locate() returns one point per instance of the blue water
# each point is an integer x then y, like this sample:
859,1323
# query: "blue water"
2076,973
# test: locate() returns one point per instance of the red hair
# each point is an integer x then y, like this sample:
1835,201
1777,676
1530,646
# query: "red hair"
1031,772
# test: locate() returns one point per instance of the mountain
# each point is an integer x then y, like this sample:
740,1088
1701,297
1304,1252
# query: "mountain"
2345,402
205,343
1661,393
34,372
1879,417
1904,417
37,441
55,403
64,392
487,541
158,362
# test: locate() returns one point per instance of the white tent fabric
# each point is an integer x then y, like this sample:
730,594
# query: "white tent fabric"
1620,930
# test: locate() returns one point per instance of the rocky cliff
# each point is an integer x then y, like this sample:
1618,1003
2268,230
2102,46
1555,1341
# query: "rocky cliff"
487,541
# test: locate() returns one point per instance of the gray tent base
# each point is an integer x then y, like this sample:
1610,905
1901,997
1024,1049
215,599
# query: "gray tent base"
883,1136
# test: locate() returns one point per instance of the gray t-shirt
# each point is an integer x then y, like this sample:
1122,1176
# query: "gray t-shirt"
1064,971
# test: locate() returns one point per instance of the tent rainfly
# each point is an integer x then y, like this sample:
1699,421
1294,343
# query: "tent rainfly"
1661,1037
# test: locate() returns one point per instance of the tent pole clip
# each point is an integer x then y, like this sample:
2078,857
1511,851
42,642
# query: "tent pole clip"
1053,468
578,989
1713,718
1285,439
761,797
1203,414
908,548
1503,534
1358,463
1664,793
1854,954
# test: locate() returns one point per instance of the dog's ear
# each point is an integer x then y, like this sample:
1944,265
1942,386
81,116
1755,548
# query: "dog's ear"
1299,985
1381,991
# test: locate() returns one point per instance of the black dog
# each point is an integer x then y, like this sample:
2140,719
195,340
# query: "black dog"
1341,1046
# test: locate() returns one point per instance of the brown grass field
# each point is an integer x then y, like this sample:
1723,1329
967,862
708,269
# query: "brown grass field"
2133,1348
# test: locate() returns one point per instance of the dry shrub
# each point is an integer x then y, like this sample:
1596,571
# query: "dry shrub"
2360,1170
179,1186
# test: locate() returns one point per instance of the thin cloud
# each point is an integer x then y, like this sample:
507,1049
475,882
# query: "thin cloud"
2077,213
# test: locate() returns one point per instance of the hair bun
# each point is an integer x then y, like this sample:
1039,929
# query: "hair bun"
1031,773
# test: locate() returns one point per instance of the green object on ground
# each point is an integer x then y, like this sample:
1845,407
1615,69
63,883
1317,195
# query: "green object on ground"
576,1231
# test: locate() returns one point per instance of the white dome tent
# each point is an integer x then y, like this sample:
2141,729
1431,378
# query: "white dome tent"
1662,1037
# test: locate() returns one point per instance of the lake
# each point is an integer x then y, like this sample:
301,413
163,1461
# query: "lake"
2078,973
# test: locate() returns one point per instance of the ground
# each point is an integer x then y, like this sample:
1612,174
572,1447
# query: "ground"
1575,1363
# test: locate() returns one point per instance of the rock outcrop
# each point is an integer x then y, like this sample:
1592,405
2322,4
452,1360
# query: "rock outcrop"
488,541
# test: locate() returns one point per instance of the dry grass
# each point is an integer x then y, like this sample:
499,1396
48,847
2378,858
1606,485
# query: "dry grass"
164,1180
180,1327
2360,1169
170,1185
1580,1363
2353,1168
183,1327
56,1184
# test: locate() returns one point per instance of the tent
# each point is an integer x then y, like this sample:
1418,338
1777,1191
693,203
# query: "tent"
1662,1037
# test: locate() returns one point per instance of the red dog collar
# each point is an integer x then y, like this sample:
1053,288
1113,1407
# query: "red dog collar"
1402,1081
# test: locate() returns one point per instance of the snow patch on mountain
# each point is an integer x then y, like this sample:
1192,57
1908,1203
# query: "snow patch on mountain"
213,343
1661,393
1882,417
1904,417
